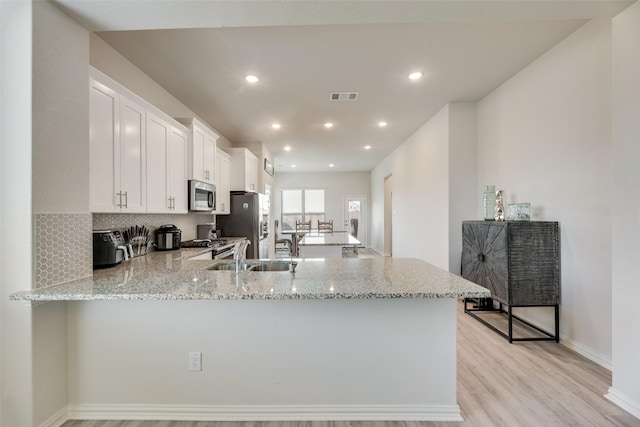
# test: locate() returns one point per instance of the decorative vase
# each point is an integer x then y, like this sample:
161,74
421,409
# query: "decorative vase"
489,203
499,206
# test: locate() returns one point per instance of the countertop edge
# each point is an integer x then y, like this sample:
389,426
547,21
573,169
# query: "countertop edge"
27,296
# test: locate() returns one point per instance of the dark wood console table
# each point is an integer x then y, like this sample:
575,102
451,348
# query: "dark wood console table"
519,262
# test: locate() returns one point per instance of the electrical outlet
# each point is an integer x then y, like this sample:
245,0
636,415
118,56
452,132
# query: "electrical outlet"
195,361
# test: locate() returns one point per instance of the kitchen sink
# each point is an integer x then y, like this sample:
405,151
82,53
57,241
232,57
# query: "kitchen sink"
257,266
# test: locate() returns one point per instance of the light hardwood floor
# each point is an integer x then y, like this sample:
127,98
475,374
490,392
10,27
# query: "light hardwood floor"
526,384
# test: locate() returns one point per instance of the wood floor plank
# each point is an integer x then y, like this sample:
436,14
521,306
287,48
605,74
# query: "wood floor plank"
525,384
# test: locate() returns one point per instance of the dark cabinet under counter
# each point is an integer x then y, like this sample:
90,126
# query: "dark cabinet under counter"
519,262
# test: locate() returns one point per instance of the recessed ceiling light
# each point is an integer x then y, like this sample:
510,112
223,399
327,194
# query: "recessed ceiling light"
367,147
415,76
293,166
331,165
382,124
328,125
287,148
251,78
276,125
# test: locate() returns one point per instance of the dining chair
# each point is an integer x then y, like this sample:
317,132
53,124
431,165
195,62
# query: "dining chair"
303,225
325,226
282,244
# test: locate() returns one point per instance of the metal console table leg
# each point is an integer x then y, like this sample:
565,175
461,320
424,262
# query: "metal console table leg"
510,316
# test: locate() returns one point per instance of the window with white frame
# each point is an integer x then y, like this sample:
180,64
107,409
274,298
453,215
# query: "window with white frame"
302,205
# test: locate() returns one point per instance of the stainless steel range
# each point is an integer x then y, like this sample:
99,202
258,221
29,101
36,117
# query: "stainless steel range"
221,248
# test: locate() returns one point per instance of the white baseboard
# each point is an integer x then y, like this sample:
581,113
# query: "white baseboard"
266,412
586,352
623,401
57,419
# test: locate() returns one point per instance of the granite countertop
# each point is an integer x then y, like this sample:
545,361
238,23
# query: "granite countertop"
329,239
171,275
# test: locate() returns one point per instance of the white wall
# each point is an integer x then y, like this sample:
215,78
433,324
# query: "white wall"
433,172
60,169
16,403
336,185
625,390
463,175
61,117
544,138
420,193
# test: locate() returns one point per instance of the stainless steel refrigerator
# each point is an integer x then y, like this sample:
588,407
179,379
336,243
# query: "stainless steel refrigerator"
249,218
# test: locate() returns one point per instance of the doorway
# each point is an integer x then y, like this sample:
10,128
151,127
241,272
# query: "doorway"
388,216
355,207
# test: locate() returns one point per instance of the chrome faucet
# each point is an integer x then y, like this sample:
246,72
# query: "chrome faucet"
241,247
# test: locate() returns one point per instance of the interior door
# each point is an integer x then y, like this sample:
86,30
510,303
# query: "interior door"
355,207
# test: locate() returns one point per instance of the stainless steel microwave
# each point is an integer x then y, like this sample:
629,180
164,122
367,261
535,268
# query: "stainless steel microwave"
202,196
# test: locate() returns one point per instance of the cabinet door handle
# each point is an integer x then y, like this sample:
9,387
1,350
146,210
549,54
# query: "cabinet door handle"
119,194
126,199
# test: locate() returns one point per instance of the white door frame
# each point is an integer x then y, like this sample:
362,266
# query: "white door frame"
363,226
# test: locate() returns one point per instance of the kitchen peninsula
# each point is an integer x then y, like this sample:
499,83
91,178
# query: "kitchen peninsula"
339,339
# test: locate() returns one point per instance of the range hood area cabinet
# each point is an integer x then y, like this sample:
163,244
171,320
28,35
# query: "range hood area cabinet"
244,170
223,183
201,151
138,154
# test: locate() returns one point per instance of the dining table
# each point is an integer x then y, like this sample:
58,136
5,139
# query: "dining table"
297,235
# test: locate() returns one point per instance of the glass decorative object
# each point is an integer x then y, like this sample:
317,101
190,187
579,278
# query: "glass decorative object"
489,203
518,211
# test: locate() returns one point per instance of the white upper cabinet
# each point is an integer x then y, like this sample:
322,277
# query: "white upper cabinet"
244,170
223,183
158,197
201,151
177,170
133,174
167,166
138,153
117,151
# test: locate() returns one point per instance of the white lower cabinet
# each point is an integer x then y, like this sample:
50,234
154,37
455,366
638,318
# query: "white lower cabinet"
166,167
223,183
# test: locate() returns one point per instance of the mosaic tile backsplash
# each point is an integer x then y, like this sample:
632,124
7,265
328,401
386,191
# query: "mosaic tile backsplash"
63,248
64,242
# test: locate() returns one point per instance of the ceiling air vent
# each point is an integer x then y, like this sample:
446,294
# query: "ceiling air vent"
344,96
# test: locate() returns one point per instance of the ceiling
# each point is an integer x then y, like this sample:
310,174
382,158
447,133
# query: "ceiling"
304,50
